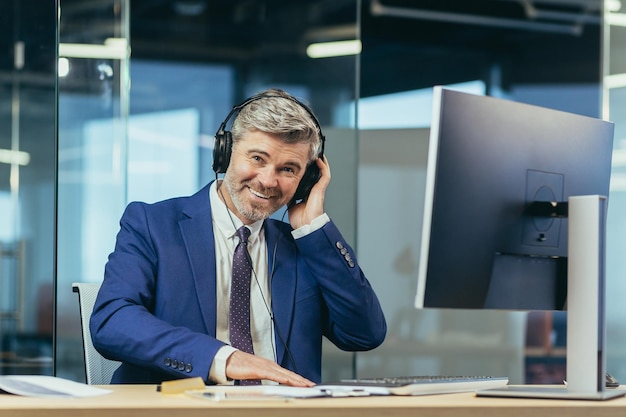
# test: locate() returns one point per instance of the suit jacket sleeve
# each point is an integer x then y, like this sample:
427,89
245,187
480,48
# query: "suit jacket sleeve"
145,325
355,320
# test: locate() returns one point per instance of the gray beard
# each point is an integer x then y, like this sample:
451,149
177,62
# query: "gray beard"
250,213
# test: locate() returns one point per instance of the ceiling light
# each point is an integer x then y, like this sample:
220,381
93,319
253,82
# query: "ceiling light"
8,156
113,48
613,5
615,81
64,67
331,49
616,19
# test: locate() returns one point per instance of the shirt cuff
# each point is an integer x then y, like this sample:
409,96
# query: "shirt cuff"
316,224
217,373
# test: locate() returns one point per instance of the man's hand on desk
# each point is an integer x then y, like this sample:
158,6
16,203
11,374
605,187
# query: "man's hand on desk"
241,365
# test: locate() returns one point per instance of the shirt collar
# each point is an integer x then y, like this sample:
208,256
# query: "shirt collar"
224,218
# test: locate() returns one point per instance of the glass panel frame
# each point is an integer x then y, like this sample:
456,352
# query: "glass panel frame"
92,175
27,186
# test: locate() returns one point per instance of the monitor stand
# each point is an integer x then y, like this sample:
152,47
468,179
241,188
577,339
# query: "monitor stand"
586,326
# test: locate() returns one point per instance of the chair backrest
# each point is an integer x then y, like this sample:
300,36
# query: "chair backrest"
98,369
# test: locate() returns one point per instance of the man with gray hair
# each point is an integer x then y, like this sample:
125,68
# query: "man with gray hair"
209,285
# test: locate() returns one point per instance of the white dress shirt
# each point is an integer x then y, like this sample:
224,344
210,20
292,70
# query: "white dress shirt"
225,225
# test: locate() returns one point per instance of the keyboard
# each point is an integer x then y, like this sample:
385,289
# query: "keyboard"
416,385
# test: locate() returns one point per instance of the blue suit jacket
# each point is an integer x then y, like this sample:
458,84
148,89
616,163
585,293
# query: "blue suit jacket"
155,311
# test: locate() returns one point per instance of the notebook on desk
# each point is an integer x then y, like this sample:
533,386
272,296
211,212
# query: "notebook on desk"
415,385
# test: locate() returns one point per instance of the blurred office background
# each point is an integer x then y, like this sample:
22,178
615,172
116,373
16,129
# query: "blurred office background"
118,100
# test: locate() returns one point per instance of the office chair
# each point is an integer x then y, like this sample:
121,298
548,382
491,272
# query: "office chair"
98,369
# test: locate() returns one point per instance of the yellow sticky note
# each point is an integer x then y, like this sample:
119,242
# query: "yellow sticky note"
179,386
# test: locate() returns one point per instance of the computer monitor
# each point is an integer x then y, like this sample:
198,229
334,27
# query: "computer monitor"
495,223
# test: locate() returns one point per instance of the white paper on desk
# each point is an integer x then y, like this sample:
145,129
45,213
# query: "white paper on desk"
47,386
259,391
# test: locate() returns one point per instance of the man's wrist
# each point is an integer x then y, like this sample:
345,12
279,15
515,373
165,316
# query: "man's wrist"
306,229
217,373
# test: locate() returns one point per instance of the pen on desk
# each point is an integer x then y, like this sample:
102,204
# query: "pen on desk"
346,392
235,396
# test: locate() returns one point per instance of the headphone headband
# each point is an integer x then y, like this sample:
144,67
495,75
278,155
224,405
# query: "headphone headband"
261,96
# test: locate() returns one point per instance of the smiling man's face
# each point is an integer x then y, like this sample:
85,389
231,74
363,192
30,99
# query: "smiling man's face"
263,175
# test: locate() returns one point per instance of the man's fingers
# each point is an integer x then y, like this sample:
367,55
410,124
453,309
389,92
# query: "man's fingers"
241,365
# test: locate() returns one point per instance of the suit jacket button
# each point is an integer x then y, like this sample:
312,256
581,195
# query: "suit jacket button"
174,363
188,368
167,361
181,366
339,245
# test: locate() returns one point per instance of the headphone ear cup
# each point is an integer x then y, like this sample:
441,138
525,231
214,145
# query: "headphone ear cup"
311,176
222,151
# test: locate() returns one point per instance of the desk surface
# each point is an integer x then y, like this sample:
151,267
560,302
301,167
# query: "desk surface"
145,401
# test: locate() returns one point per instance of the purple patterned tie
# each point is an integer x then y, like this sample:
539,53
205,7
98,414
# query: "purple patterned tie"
239,316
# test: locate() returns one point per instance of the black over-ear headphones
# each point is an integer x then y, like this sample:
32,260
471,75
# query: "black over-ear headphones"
224,146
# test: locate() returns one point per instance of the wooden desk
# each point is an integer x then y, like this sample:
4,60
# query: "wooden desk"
144,401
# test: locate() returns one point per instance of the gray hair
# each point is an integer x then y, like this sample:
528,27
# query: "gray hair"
277,112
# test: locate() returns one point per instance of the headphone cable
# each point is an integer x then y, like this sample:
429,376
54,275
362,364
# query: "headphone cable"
269,281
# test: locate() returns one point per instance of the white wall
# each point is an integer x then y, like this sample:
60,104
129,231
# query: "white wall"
391,177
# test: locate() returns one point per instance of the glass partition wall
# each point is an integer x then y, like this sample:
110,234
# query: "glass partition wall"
547,53
615,110
189,63
27,185
92,171
192,60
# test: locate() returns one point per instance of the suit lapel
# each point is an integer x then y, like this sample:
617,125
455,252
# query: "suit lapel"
282,284
197,232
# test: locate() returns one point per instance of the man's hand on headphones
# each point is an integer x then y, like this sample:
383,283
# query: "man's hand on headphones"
313,205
